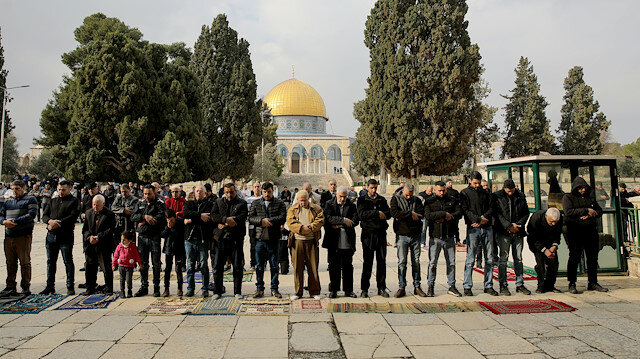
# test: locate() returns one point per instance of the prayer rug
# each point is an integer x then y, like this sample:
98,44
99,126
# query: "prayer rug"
511,273
11,299
95,301
173,306
404,308
222,306
527,306
460,248
265,307
359,307
33,304
309,305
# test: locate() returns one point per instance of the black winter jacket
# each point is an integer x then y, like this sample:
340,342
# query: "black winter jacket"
155,209
368,209
576,205
403,223
276,213
511,209
541,235
174,240
436,209
103,228
334,216
197,230
476,203
221,210
66,209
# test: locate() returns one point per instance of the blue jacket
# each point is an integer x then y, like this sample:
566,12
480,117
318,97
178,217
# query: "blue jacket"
23,210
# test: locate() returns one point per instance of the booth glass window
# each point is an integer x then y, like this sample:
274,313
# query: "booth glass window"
555,181
497,178
608,256
603,190
528,187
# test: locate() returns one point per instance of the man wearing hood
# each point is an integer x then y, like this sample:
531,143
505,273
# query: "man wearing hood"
581,211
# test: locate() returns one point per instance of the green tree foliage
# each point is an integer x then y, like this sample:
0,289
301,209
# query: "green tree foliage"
363,162
231,114
582,124
168,163
630,167
9,156
527,126
122,96
268,167
420,109
8,126
488,133
42,166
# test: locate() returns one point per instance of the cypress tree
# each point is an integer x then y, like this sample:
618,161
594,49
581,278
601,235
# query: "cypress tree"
8,126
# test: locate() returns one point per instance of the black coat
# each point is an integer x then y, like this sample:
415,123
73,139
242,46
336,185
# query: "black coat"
435,209
476,203
540,235
276,213
66,209
174,240
511,209
368,209
325,197
197,230
221,210
334,216
285,195
155,209
403,223
576,205
104,228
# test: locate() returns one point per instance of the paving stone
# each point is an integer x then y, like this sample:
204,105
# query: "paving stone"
526,325
45,318
427,335
13,337
196,342
311,317
54,336
150,333
497,341
85,316
445,352
595,312
6,318
361,323
313,337
560,347
255,327
257,348
624,326
520,356
209,321
125,350
3,351
412,319
80,350
25,353
468,321
590,355
373,346
108,328
619,307
605,340
562,319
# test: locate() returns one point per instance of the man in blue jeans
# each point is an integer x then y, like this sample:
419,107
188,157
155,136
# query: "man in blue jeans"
407,211
511,217
443,212
197,235
477,208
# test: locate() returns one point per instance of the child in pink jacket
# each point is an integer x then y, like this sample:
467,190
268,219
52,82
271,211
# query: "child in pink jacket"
125,257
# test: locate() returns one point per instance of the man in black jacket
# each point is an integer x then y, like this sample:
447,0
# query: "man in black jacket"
197,238
407,212
60,215
543,235
373,212
511,216
267,214
97,233
477,207
455,194
581,212
229,215
150,220
327,196
123,206
285,196
442,211
341,218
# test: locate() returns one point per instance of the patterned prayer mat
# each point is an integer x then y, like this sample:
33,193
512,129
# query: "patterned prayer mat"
95,301
527,306
222,306
511,273
404,308
459,248
33,304
309,305
11,299
173,306
265,307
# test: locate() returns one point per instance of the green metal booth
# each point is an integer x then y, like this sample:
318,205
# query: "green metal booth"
544,179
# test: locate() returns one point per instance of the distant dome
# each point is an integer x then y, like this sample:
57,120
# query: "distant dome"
294,97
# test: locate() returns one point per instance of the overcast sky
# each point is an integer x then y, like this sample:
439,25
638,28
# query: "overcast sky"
324,40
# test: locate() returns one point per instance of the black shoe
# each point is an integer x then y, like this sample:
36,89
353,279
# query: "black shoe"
276,294
26,290
47,291
142,292
205,294
333,294
504,290
364,294
88,292
454,291
82,269
350,295
573,289
129,294
7,292
491,291
82,285
468,292
597,287
430,291
189,293
258,294
555,290
71,291
383,293
156,292
522,289
540,290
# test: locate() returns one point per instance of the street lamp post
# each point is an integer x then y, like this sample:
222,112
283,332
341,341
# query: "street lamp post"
4,104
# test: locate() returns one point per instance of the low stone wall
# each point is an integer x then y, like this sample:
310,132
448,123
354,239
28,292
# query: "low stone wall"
634,267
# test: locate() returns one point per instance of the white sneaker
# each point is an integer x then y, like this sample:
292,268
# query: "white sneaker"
238,296
294,297
216,296
317,296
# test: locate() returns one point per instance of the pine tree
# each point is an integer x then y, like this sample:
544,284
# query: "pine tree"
267,165
8,126
488,133
168,163
527,126
582,124
420,108
231,114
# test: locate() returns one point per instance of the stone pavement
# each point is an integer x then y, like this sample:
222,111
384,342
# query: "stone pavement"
604,326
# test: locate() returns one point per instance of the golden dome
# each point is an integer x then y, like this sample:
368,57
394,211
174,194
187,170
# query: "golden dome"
294,97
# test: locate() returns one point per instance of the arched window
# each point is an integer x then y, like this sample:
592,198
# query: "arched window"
334,153
283,151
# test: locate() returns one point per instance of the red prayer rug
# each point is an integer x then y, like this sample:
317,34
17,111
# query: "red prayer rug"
527,306
511,274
